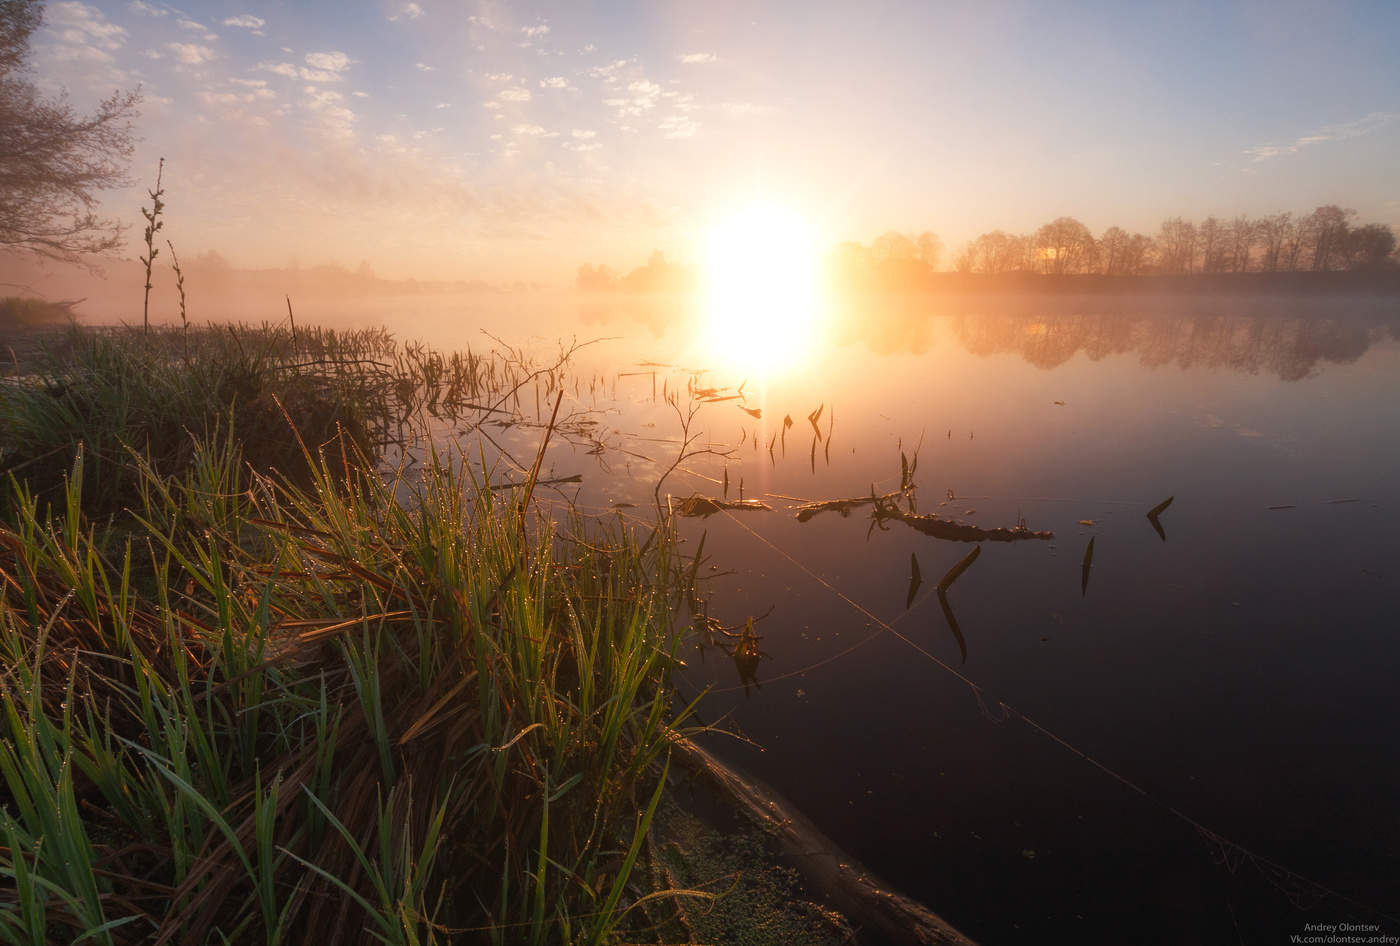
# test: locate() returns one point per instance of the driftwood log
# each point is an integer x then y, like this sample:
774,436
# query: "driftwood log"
826,871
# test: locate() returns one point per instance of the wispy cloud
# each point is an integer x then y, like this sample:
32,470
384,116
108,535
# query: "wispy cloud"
515,94
409,11
247,22
191,54
194,26
81,24
1353,129
698,58
555,82
678,126
141,8
332,61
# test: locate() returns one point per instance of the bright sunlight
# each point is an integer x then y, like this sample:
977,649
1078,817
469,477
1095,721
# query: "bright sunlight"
763,298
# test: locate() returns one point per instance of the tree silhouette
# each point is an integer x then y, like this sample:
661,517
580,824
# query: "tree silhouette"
53,161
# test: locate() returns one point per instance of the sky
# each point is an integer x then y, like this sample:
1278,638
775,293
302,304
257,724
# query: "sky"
516,140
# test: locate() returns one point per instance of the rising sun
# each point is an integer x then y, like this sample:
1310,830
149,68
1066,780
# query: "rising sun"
762,286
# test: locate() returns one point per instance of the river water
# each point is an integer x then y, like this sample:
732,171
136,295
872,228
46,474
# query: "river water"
1194,739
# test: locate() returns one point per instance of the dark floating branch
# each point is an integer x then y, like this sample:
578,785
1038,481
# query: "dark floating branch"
955,530
956,571
1088,564
953,622
1156,511
707,506
915,580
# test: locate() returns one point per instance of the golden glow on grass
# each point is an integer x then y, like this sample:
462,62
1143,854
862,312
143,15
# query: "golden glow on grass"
763,299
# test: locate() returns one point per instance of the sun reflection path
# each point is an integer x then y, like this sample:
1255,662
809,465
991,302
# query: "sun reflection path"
764,306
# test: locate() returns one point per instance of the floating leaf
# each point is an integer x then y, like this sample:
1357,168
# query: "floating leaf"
754,412
915,580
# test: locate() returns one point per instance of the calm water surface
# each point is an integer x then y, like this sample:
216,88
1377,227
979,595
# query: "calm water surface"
1232,684
1243,672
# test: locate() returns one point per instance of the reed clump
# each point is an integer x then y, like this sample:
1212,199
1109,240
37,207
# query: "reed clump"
357,712
251,700
282,394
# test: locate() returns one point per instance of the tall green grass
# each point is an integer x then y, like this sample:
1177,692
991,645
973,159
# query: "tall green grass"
347,706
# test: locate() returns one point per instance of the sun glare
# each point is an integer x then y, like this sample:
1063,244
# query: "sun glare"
763,299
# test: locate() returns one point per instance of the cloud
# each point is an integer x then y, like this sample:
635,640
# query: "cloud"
196,27
279,68
515,94
332,61
423,67
141,8
247,21
532,130
583,133
79,23
409,11
499,77
555,82
535,31
329,107
678,126
250,83
611,72
191,54
89,54
698,58
1353,129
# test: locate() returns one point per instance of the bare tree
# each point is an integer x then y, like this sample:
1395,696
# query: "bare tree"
1326,230
1294,237
1211,234
1243,233
1112,245
1368,247
54,161
1273,230
1065,245
993,253
930,248
1176,246
893,246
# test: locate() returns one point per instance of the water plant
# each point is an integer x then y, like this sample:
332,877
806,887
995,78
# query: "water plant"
260,712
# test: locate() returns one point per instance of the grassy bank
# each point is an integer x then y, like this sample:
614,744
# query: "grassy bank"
269,701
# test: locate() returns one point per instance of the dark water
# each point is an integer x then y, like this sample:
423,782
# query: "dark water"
1234,685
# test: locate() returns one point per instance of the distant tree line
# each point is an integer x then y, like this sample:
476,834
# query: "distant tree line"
1325,240
656,276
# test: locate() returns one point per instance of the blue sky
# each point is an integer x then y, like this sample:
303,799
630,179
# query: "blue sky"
505,140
